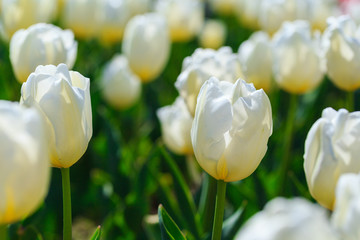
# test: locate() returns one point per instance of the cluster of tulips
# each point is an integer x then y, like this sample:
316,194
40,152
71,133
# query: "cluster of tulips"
223,116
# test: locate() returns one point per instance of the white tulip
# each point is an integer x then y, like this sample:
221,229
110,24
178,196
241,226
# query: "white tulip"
321,10
63,97
346,215
184,17
138,7
213,34
248,12
146,45
175,126
41,44
24,162
225,7
231,128
18,14
121,87
331,149
203,64
297,63
342,53
256,59
288,219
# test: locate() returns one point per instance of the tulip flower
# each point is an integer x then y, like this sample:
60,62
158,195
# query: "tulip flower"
225,7
346,215
248,12
41,44
138,7
121,87
203,64
184,17
24,162
63,97
213,34
342,53
297,62
331,149
321,10
288,219
176,124
146,45
18,14
254,54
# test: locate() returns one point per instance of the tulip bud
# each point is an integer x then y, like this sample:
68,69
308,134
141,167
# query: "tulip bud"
331,149
203,64
297,62
121,87
63,97
342,53
24,162
146,45
346,215
184,17
213,34
288,219
255,54
18,14
175,126
41,44
231,128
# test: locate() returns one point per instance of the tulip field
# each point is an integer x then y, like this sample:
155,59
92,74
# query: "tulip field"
179,119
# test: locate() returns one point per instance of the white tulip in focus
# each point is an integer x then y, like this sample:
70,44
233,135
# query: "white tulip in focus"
113,16
18,14
274,12
24,162
225,7
146,45
41,44
297,62
331,149
213,34
82,17
321,10
288,219
63,97
231,128
203,64
175,126
346,215
255,55
184,17
342,53
121,87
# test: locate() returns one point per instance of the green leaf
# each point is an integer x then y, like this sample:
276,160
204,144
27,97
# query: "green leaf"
169,229
97,234
233,223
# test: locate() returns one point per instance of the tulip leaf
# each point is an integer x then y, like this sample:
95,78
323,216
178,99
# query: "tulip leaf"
185,200
169,229
97,234
233,223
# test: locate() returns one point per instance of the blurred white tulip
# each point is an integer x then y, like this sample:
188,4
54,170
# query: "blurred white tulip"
120,86
342,53
175,127
63,97
41,44
212,34
331,149
346,215
203,64
297,63
24,162
288,219
138,7
146,45
255,55
18,14
225,7
321,10
248,12
231,128
184,17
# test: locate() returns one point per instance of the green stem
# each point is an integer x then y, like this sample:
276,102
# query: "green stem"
287,142
350,101
207,202
219,210
67,232
3,232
